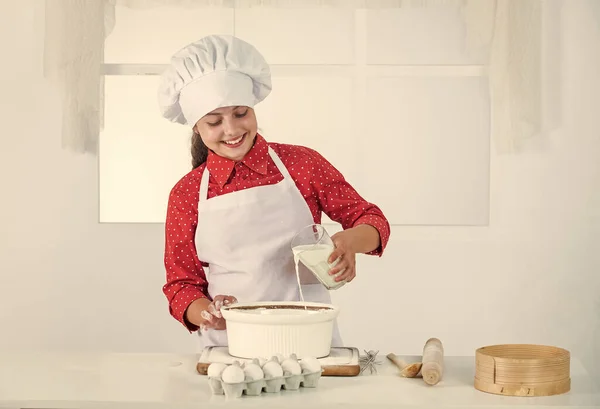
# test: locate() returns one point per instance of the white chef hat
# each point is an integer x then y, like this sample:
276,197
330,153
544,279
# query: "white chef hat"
213,72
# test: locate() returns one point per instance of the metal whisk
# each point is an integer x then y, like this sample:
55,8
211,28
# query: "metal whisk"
369,361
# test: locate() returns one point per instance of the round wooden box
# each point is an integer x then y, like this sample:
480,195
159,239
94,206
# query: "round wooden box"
522,370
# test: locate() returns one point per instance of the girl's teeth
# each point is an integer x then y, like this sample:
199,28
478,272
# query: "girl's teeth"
234,142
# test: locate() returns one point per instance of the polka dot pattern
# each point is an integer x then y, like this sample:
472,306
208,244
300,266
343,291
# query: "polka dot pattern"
320,183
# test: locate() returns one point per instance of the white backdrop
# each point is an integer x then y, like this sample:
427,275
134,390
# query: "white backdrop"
423,115
531,275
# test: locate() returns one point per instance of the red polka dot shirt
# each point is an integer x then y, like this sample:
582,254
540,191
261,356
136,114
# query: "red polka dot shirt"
322,186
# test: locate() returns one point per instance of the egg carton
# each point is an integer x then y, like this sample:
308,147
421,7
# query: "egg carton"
268,385
254,386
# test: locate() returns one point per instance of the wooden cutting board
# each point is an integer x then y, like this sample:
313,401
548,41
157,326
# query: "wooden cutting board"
340,362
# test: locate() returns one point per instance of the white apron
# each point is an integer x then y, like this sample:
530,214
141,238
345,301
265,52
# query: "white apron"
245,238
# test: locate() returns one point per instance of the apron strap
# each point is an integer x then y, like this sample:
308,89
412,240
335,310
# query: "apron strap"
204,185
280,166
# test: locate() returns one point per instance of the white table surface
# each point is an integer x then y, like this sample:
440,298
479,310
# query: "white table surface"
148,381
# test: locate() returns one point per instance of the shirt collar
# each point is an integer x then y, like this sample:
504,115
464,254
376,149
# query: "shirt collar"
256,159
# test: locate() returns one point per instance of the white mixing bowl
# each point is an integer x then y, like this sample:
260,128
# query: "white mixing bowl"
264,329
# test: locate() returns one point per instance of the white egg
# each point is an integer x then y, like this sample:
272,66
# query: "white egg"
272,369
280,358
233,374
291,367
216,369
310,365
253,371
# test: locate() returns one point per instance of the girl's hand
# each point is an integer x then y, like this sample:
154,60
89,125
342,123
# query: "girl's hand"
212,314
207,314
359,239
345,255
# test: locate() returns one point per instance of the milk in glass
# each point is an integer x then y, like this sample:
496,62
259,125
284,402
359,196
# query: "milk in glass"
314,257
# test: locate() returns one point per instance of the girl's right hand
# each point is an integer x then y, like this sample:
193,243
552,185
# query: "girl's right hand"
211,315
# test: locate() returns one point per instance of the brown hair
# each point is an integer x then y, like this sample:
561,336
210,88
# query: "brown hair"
199,150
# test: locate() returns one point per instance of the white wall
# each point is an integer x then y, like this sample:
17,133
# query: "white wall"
365,79
531,276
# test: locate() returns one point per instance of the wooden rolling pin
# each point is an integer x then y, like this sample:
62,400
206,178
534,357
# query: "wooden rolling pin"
433,361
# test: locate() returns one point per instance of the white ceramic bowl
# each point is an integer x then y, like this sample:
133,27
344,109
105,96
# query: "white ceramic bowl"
265,329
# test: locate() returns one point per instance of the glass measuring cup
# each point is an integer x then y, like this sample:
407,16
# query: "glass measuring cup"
312,247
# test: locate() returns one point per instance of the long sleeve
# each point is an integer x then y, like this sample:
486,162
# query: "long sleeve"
342,203
186,279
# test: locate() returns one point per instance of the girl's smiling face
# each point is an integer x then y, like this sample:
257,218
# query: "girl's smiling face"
228,131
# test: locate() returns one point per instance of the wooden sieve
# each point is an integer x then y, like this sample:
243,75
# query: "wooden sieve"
522,370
